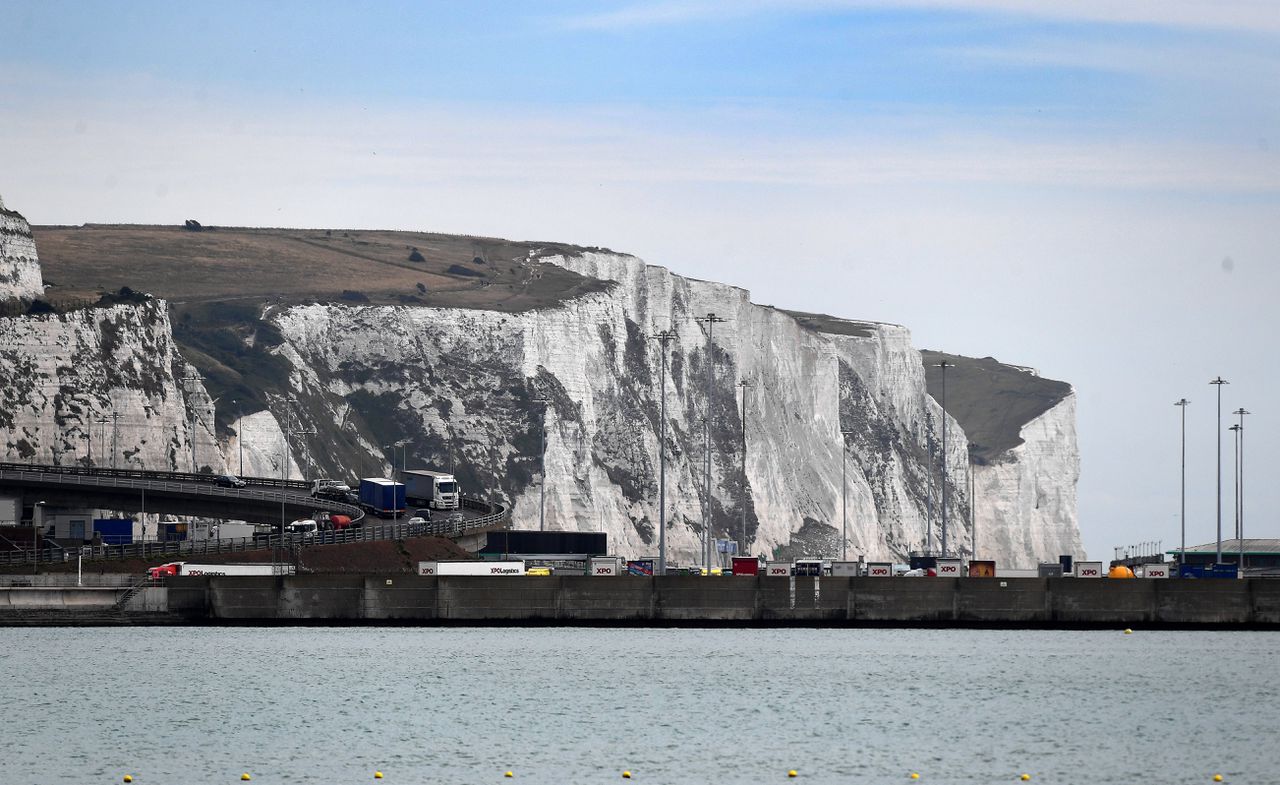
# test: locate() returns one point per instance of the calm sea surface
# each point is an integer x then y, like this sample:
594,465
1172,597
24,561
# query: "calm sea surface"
569,706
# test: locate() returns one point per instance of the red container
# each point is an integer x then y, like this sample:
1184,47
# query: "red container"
746,565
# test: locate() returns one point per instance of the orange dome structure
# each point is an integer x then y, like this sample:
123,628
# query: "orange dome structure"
1120,571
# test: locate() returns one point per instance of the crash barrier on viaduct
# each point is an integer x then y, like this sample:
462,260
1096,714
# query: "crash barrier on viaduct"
263,500
709,601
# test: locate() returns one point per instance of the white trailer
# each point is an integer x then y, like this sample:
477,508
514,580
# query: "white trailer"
777,569
176,568
472,567
437,490
845,569
605,565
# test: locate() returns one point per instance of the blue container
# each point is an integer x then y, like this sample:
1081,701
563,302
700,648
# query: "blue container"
381,495
114,531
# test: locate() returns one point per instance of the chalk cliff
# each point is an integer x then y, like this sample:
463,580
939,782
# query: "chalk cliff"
19,264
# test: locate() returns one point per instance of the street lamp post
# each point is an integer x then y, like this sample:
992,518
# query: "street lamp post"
188,386
745,385
240,433
403,444
542,468
664,337
35,536
1182,553
1240,503
1235,499
1218,382
710,320
844,496
944,365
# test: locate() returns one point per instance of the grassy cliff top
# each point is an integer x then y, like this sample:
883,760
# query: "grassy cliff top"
208,264
992,401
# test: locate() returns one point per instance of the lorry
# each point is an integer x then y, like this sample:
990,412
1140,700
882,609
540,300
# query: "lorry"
610,566
746,565
381,496
175,568
473,567
437,490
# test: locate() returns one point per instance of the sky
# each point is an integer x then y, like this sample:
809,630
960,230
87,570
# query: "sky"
1089,188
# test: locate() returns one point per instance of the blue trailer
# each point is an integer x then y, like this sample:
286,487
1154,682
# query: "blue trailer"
381,496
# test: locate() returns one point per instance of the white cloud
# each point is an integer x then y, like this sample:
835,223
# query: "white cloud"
1241,15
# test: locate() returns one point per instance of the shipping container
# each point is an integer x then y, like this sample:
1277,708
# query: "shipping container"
746,565
531,543
949,568
921,562
605,566
473,567
1208,571
982,568
114,531
1089,569
1049,570
845,569
641,567
809,567
777,569
879,569
382,496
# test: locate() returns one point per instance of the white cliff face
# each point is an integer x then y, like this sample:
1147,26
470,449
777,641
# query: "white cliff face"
261,452
19,265
63,373
462,387
1025,503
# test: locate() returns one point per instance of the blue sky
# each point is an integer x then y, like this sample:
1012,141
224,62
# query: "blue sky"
1090,188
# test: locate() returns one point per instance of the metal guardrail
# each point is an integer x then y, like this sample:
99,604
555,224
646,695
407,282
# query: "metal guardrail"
202,485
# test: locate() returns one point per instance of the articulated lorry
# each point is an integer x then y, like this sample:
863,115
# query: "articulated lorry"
382,497
473,567
436,490
175,568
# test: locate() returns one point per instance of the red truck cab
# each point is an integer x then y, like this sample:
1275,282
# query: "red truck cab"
163,571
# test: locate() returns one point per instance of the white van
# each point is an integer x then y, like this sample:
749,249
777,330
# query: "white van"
303,529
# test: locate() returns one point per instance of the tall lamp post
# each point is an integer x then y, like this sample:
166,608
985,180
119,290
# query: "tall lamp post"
1235,497
1240,493
403,444
664,337
710,320
35,536
188,386
844,496
1218,382
944,365
1182,553
542,468
745,385
240,433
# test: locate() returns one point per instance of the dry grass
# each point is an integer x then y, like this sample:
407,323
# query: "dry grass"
299,265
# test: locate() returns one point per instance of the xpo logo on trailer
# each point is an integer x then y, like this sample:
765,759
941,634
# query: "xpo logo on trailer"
1088,569
778,569
948,568
1155,571
879,570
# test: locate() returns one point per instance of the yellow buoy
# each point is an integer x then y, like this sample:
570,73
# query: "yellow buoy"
792,773
245,777
915,776
1025,777
128,778
626,775
1217,778
377,775
1128,631
508,774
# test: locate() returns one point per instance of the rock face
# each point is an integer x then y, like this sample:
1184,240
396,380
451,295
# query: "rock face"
468,390
19,265
63,372
840,419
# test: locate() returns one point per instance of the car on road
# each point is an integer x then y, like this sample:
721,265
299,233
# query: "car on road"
229,481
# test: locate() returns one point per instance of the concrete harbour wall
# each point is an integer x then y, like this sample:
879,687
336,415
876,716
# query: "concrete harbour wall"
693,600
